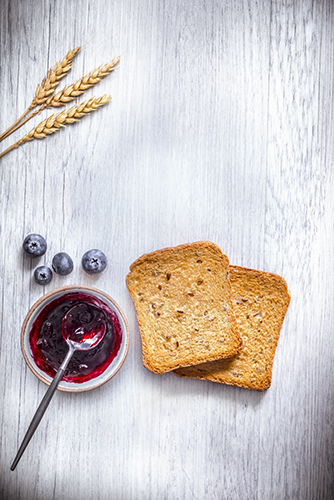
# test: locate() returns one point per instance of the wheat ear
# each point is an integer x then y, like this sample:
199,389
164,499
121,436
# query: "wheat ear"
51,81
73,91
46,88
55,122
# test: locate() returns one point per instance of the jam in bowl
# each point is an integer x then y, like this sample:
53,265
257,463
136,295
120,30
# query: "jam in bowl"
44,347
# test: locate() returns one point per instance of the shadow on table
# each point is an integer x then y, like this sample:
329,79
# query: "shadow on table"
178,387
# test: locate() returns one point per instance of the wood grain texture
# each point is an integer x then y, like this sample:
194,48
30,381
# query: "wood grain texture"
220,128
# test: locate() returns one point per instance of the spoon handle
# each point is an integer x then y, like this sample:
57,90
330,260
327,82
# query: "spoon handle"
42,407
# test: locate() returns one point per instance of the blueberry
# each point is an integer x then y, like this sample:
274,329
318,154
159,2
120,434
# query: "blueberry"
62,264
34,245
94,261
43,275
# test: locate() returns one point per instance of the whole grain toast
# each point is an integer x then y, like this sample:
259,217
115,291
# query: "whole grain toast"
260,301
182,298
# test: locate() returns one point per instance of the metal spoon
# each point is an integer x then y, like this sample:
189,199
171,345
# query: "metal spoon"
82,331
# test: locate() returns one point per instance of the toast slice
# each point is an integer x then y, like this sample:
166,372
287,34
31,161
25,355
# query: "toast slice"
260,301
182,298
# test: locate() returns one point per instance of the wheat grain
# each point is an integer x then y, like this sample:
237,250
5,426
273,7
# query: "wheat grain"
55,122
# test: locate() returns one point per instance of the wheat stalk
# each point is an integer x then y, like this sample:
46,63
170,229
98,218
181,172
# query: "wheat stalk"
46,88
72,91
55,122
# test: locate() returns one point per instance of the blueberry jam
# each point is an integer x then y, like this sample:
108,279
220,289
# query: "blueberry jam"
49,348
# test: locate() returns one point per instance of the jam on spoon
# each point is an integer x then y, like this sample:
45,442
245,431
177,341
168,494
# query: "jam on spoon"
83,327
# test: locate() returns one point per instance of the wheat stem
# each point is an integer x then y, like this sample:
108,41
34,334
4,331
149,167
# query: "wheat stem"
55,122
19,124
11,129
47,87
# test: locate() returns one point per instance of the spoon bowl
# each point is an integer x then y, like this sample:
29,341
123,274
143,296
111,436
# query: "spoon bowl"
83,326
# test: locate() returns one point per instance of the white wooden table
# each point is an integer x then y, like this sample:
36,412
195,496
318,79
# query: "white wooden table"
220,128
